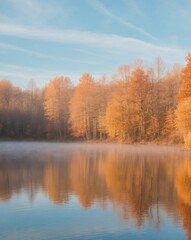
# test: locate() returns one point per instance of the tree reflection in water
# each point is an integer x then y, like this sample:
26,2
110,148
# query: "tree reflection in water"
137,184
183,186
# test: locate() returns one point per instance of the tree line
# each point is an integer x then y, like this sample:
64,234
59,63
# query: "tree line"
137,104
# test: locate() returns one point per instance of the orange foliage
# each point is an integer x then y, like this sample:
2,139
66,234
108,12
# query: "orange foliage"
56,105
136,105
185,89
117,117
184,105
82,108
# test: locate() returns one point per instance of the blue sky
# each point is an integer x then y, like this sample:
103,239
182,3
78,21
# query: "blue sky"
40,39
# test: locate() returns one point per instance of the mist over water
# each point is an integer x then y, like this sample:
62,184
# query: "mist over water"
94,191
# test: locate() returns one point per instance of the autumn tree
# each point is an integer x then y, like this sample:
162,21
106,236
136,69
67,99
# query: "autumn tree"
138,97
159,103
83,110
56,106
184,104
123,74
10,109
183,113
5,98
185,88
102,96
117,116
33,112
172,84
5,93
128,109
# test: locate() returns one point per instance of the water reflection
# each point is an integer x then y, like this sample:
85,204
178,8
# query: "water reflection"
183,186
137,184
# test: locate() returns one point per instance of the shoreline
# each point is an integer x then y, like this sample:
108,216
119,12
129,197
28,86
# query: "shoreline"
100,142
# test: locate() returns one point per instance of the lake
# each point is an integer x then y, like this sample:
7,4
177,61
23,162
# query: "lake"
57,191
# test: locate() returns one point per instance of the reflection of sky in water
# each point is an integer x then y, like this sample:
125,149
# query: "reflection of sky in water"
39,217
42,219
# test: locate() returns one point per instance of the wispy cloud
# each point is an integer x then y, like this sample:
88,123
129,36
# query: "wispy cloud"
4,18
105,41
91,53
41,55
99,6
21,75
33,11
135,7
181,9
19,49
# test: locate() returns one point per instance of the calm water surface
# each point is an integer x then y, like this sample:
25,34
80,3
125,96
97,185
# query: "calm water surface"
57,191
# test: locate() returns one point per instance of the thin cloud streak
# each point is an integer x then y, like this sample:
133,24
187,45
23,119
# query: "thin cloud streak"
22,75
40,55
19,49
105,41
99,6
34,11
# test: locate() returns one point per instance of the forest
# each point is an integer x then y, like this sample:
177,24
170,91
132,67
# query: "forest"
136,104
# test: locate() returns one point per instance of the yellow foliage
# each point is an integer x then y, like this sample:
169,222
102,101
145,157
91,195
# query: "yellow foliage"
6,89
82,107
117,118
56,105
187,140
185,89
183,114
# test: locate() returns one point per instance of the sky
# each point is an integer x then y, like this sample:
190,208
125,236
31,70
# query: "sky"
40,39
